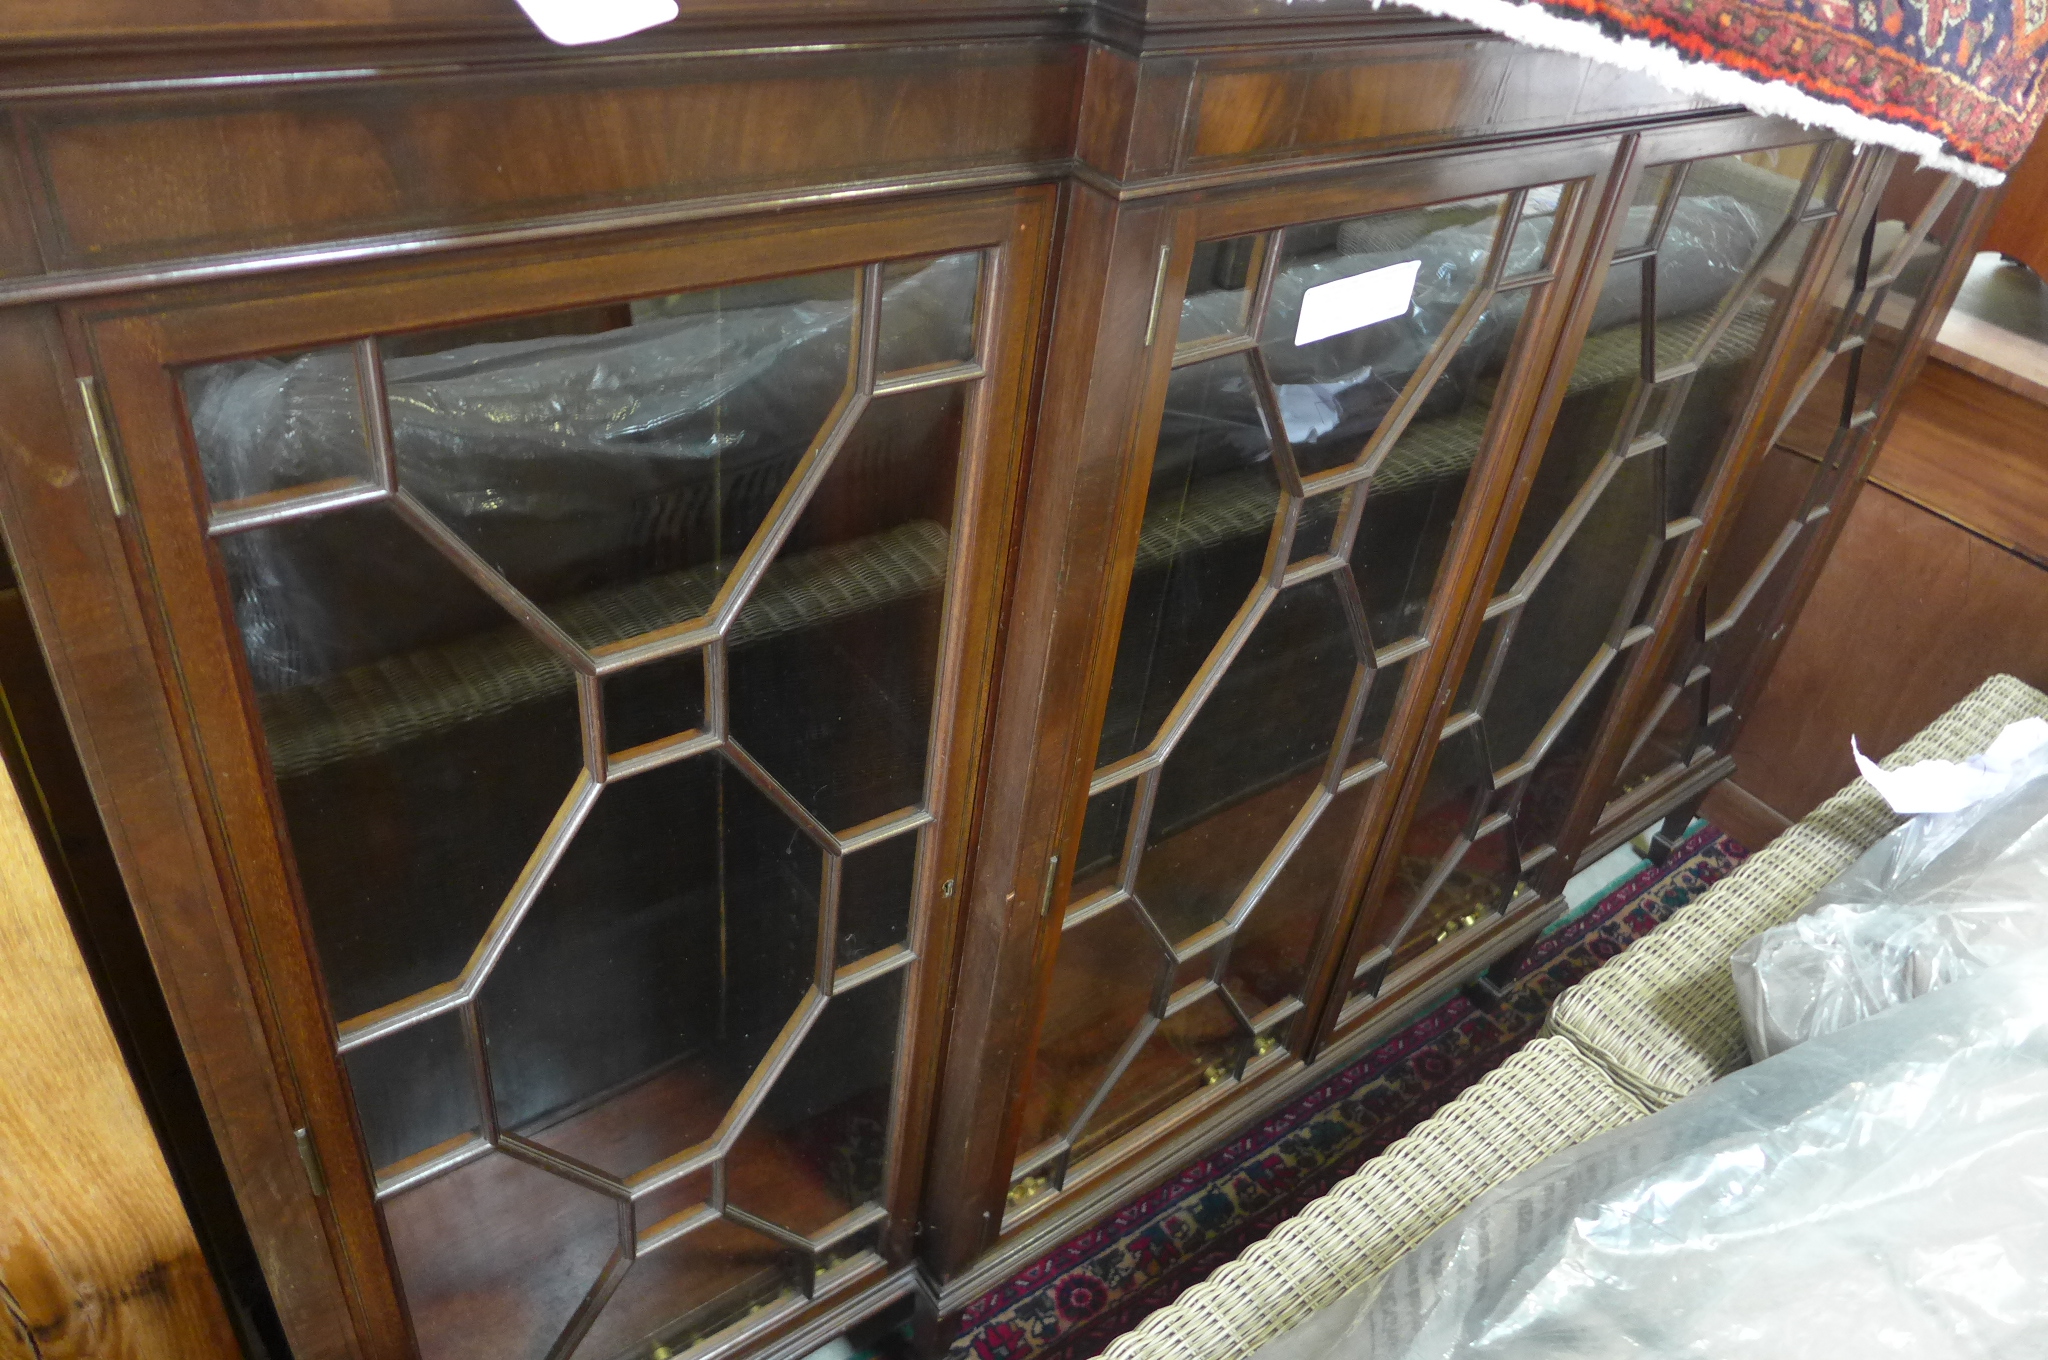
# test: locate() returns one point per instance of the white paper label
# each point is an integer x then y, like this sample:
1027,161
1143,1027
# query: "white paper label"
574,22
1346,304
1942,786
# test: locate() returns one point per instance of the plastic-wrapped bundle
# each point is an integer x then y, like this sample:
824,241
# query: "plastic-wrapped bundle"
1940,899
571,462
1340,388
1876,1192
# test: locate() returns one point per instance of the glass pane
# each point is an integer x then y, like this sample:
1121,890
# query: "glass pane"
1103,830
1251,760
691,1288
1102,986
268,427
1435,848
654,700
496,1255
1390,287
1574,610
1321,517
835,656
1269,961
1551,788
669,949
928,311
875,885
1201,1045
1669,742
613,462
813,1152
1208,523
1369,741
1221,279
1541,208
413,1091
644,951
1411,506
1642,210
391,690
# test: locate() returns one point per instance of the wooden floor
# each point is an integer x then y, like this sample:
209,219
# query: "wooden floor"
97,1257
1940,578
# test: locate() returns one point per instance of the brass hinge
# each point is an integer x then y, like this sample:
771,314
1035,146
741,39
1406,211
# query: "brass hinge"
96,421
316,1176
1158,295
1052,877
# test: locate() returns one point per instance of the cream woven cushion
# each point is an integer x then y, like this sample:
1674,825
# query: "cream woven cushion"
1661,1016
1545,1098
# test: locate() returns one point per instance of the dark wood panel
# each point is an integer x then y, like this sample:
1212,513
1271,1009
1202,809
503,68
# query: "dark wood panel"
133,181
1972,452
1909,615
1396,94
1735,810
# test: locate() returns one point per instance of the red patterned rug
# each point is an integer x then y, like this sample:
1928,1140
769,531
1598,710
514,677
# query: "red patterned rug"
1099,1285
1957,83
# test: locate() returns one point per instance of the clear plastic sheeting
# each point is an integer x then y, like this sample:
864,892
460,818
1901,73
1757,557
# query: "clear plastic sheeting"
650,436
1940,899
1879,1191
1343,386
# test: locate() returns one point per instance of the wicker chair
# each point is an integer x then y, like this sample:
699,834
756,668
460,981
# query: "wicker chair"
1661,1016
1640,1032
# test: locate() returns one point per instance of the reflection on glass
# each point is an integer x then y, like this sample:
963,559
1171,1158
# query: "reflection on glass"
1449,879
1208,521
834,657
1269,963
1218,299
875,884
618,1027
1247,686
1251,760
1316,532
1672,352
1333,393
1201,1045
654,700
928,311
391,690
1535,232
822,1126
1102,990
1369,741
644,952
273,426
1103,831
1866,303
613,463
414,1093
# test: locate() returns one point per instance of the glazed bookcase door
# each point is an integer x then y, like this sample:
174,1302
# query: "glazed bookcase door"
1336,385
1704,264
1875,299
590,684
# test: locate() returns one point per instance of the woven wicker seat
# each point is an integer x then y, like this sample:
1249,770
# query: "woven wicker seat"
1546,1097
1661,1016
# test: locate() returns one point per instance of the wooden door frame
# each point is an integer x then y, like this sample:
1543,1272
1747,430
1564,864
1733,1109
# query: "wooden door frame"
1459,958
282,1038
1120,284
